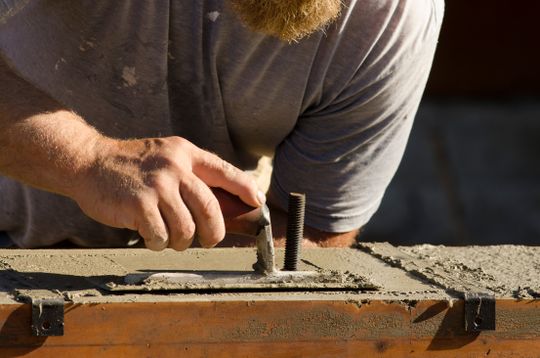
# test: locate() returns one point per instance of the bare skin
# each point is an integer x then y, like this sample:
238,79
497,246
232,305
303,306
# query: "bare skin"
156,186
312,237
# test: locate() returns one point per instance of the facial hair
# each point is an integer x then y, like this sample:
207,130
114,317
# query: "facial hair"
289,20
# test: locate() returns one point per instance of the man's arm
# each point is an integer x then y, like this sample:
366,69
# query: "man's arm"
312,236
347,144
158,186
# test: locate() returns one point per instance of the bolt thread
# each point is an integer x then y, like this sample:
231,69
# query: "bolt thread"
295,230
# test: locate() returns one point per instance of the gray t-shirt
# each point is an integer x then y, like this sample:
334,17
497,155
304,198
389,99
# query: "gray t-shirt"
334,109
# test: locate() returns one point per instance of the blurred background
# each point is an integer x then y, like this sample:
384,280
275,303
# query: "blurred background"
471,171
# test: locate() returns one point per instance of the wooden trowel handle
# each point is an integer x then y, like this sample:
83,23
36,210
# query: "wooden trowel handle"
240,218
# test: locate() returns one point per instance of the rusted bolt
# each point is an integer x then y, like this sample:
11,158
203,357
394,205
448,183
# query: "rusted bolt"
295,230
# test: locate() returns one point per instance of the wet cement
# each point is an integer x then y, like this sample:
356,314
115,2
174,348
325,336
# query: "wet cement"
81,275
399,273
205,281
391,315
502,270
507,270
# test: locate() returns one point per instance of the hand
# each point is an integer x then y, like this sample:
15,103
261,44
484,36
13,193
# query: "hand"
160,188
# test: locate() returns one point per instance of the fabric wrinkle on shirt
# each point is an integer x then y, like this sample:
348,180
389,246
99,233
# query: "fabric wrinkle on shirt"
334,110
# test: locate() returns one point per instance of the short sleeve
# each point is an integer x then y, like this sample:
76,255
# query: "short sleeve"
343,153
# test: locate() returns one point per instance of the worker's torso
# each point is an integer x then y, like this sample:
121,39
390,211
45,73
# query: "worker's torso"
158,68
192,69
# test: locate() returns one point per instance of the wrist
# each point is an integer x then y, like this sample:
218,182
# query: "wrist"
92,154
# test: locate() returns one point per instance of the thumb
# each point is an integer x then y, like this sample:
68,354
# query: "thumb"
216,172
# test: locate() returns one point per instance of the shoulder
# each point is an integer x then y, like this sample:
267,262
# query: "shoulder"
381,26
371,40
391,15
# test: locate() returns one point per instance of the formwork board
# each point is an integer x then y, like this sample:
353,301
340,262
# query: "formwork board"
410,314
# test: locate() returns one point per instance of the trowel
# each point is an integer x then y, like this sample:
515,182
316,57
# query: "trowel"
241,219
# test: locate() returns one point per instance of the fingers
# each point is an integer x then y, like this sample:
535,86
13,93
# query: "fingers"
216,172
204,209
170,186
178,220
152,229
180,209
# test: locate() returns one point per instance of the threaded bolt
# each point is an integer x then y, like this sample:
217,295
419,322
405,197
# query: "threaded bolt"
295,230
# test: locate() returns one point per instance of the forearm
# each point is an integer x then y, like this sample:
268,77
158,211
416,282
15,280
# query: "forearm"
49,151
312,237
159,187
43,144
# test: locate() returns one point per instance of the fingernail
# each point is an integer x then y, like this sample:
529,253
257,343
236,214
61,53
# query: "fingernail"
261,197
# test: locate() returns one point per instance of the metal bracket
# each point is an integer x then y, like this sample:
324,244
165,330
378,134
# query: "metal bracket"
48,317
479,312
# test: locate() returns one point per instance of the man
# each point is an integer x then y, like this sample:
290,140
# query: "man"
110,113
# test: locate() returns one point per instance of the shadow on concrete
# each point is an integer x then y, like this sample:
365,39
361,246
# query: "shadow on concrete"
15,280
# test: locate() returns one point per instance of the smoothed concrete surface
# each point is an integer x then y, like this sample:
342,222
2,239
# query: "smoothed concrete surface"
79,275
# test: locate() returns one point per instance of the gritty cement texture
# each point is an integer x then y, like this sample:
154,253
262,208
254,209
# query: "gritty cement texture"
507,270
398,273
83,275
504,270
212,281
418,306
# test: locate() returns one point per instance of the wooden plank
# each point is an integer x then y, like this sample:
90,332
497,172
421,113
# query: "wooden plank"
428,328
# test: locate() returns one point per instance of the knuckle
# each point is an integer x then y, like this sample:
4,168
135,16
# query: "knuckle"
212,239
180,245
209,208
158,142
155,163
143,204
226,169
232,173
186,230
226,166
155,245
160,184
189,230
151,240
182,233
158,241
213,235
179,143
139,204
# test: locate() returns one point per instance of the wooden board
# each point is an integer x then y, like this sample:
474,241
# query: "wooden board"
415,312
274,329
